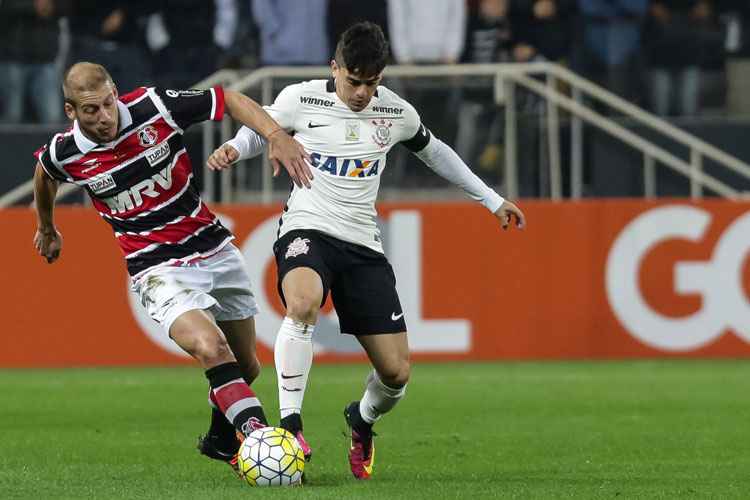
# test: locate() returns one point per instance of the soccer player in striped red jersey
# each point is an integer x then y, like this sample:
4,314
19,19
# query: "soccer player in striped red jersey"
127,152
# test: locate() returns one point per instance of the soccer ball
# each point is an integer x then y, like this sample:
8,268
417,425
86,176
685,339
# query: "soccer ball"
271,456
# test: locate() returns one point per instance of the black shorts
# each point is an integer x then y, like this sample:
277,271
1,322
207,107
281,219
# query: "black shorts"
361,280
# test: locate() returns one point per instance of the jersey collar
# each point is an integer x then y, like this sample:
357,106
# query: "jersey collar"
85,144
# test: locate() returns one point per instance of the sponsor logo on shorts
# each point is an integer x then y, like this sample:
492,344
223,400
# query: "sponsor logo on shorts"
297,247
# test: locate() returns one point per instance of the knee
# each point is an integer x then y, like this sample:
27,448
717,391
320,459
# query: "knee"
396,374
211,349
303,306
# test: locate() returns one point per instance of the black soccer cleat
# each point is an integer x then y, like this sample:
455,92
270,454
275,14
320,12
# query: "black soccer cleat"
212,447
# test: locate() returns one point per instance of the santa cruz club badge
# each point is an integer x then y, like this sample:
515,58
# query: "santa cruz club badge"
382,135
297,247
147,136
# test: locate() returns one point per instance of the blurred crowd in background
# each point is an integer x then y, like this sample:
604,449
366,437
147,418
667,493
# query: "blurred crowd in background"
674,57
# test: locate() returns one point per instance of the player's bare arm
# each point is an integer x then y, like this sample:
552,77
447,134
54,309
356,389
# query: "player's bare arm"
47,239
282,148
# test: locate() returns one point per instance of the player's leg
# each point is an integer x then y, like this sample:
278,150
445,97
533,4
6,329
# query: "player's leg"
197,334
303,285
293,351
221,441
384,388
381,330
386,384
233,310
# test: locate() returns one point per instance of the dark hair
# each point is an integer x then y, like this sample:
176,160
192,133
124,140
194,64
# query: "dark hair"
362,49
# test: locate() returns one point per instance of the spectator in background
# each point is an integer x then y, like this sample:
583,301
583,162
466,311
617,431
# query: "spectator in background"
488,40
192,38
111,33
344,13
29,45
427,31
676,35
542,29
292,32
611,45
734,15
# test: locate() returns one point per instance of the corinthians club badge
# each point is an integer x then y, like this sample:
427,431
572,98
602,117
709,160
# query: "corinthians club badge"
382,135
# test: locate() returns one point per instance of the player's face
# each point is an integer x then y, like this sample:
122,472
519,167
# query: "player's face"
96,112
355,90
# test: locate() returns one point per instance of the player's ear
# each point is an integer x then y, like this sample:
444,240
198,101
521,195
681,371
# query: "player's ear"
114,91
334,67
70,111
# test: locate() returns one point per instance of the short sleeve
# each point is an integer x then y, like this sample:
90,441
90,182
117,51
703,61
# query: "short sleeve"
43,155
415,135
188,107
284,108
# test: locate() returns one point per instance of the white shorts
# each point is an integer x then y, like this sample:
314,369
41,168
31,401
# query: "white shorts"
218,283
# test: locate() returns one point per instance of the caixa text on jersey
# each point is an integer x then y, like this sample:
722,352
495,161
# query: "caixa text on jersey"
345,167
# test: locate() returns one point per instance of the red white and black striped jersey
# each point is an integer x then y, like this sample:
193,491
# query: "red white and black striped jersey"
141,183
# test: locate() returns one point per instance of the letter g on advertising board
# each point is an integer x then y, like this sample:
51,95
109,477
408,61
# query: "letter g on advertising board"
718,280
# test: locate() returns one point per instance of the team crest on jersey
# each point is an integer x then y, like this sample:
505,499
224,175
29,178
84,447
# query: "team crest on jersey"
147,136
352,130
297,247
382,135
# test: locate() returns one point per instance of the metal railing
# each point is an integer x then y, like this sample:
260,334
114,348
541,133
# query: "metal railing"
507,78
541,79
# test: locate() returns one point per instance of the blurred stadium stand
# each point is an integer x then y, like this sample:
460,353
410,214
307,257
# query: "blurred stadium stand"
607,166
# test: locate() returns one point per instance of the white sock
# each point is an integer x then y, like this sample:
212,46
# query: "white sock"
378,399
293,354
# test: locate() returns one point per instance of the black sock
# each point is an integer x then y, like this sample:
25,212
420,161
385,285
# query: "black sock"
358,423
222,430
235,399
292,423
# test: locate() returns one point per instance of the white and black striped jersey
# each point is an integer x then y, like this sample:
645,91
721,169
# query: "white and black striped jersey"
141,183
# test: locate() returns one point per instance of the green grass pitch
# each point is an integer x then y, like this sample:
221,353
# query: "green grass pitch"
663,429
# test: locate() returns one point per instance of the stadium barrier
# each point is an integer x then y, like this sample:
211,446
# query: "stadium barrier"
585,280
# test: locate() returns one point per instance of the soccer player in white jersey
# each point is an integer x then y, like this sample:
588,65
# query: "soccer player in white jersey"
328,237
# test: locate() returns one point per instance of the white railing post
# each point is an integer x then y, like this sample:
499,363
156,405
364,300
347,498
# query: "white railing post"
553,137
576,150
511,174
266,195
696,169
649,176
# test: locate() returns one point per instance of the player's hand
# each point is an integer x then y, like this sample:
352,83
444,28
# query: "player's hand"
48,243
284,150
223,157
507,212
